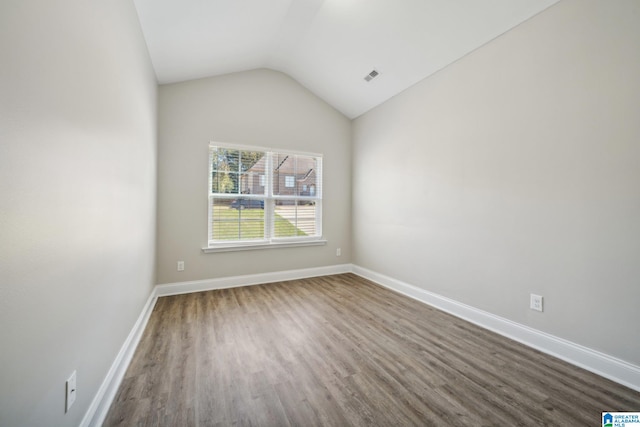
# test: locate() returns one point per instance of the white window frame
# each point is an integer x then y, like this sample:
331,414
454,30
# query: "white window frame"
269,241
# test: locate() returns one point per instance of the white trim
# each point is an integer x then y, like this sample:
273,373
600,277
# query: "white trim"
263,245
248,280
599,363
101,402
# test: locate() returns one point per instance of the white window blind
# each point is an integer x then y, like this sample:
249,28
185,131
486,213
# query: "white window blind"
258,195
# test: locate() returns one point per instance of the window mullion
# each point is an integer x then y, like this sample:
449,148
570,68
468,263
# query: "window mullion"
269,204
319,217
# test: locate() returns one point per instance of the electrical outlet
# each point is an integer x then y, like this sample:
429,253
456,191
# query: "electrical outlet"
338,252
536,302
180,265
71,391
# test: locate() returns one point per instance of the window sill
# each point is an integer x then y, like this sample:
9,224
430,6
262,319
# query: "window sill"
254,246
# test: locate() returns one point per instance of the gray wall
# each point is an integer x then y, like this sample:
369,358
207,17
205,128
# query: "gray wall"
260,107
77,205
517,170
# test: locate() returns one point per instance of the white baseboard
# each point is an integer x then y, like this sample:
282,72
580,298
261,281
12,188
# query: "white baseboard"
599,363
248,280
99,407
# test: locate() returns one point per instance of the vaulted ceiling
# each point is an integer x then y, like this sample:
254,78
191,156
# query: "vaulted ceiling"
328,46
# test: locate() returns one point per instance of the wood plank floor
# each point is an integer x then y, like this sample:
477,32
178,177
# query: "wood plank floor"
341,351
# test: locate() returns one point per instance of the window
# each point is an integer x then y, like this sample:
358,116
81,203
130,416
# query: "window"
259,197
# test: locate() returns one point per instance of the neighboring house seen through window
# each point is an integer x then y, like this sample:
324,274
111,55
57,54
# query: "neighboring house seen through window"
261,196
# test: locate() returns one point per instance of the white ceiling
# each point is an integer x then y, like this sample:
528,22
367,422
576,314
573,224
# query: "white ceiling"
326,45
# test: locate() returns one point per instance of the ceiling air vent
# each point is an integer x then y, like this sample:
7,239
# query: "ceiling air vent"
371,75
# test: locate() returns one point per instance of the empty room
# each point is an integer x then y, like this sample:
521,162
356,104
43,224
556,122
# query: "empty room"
319,212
